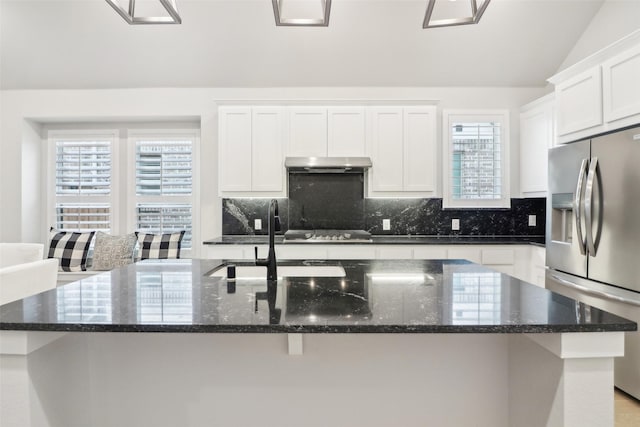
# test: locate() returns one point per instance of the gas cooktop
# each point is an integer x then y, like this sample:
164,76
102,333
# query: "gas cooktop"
333,236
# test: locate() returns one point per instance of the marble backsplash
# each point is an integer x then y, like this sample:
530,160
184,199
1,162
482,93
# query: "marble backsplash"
407,216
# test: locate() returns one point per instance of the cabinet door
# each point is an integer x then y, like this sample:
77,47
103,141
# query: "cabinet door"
307,132
346,126
235,148
266,149
536,137
387,149
621,85
420,149
579,102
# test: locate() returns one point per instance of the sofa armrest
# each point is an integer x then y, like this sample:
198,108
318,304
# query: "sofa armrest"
23,280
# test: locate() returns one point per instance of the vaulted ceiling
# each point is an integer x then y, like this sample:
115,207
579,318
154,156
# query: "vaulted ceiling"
56,44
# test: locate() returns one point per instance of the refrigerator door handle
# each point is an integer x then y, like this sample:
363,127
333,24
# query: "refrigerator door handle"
588,205
577,206
593,292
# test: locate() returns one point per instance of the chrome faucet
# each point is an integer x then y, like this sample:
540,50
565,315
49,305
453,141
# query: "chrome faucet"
274,225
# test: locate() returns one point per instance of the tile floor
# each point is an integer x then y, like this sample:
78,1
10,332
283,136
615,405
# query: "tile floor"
627,410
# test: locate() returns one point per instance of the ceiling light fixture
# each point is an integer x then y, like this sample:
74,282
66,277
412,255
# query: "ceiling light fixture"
129,15
322,20
476,14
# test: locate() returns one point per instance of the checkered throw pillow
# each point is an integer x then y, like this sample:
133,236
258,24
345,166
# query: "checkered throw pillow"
159,246
70,248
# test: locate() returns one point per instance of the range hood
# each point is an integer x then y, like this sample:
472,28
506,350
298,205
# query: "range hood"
327,164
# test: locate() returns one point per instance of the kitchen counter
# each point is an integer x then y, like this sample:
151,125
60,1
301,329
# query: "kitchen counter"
448,342
389,240
403,296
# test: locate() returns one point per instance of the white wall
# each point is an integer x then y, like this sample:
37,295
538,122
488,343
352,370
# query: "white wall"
24,112
614,20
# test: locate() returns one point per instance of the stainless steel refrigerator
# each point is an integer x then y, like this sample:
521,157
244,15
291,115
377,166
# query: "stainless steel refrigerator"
593,232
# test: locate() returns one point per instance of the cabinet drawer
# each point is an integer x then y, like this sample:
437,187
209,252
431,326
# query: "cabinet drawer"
394,252
301,252
224,252
498,256
421,252
470,254
351,252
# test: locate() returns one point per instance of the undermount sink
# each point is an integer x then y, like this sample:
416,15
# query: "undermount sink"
259,272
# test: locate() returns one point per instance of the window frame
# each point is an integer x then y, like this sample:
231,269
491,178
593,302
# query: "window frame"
133,135
123,199
474,116
53,136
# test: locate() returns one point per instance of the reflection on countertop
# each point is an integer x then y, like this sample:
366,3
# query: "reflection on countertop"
375,296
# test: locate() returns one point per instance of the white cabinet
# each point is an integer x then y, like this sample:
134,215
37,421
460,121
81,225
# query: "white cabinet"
579,102
327,131
250,148
404,151
600,93
234,125
307,132
420,149
536,137
267,165
346,132
621,86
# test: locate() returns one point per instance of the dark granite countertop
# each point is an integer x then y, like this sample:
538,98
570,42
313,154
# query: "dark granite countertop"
389,240
404,296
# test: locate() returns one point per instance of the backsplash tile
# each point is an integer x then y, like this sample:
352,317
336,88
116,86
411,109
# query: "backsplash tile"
238,215
426,216
408,216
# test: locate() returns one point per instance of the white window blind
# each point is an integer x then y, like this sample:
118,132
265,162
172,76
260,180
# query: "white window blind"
163,167
101,181
164,186
83,183
475,164
476,170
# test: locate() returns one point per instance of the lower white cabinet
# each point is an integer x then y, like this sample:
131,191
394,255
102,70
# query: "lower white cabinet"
525,262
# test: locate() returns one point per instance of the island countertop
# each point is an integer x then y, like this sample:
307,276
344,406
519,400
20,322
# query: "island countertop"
373,296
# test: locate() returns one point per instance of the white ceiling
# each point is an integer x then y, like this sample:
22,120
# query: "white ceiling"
56,44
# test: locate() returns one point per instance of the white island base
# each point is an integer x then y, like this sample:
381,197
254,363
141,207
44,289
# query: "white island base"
50,379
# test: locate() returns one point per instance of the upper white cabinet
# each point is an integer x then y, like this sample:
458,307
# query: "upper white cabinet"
579,102
600,93
621,85
346,132
267,166
307,132
536,137
326,131
234,126
250,147
403,149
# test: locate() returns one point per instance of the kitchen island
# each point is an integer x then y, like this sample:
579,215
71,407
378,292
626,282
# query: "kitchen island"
376,343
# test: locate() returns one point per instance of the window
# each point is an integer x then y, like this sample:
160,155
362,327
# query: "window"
163,184
83,180
476,153
143,182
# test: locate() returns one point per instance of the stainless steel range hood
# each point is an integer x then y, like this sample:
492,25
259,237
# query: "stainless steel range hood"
327,164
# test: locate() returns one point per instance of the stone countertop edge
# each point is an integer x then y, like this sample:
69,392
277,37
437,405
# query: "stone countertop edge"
547,312
389,240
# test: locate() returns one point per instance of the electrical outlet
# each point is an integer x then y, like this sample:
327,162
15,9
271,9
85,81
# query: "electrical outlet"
532,220
455,224
257,224
386,224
